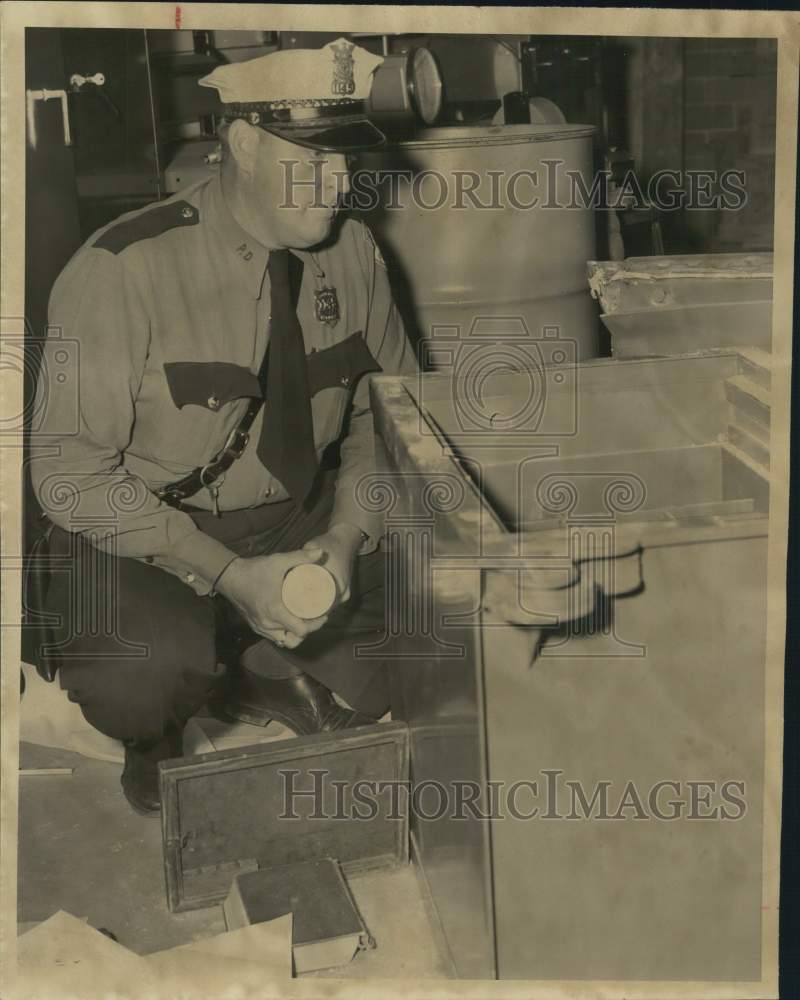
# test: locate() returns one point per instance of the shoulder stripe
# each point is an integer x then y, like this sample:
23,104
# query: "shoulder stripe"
150,223
373,245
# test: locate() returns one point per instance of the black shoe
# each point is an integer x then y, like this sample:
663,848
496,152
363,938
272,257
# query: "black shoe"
140,775
300,703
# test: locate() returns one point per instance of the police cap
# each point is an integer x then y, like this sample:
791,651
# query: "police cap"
312,97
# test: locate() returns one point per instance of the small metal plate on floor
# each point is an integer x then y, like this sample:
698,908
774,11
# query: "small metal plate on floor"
334,795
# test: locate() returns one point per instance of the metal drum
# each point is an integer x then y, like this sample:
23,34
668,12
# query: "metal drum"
486,222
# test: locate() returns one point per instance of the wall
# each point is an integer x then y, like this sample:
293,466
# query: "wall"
729,123
115,154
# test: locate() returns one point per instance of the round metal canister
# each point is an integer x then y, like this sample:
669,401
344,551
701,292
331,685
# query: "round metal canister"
486,223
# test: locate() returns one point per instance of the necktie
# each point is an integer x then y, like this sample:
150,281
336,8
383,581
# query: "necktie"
286,446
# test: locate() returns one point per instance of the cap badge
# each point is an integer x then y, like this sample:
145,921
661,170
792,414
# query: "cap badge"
326,305
343,84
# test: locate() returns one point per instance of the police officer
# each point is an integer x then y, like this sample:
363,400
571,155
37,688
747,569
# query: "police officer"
224,339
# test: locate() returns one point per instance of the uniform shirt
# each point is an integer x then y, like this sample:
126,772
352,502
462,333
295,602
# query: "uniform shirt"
163,318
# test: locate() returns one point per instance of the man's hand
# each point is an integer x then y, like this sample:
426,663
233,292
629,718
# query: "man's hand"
340,545
254,585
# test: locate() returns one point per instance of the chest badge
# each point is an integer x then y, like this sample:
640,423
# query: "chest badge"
326,305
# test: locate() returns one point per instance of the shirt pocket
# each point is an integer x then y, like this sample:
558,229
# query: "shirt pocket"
187,410
333,374
210,384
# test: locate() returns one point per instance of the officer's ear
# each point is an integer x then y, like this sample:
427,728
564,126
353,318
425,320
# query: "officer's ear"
243,140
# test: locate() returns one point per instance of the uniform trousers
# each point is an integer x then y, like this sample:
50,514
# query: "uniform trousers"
140,651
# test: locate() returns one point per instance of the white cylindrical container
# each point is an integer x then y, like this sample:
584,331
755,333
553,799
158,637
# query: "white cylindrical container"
309,591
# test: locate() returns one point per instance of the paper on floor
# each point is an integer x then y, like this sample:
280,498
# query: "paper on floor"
269,942
64,957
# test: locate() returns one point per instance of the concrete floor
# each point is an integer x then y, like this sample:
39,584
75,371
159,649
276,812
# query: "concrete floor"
82,849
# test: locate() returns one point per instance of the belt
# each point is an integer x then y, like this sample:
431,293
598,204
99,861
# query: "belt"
206,476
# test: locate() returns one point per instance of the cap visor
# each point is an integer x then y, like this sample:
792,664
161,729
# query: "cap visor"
330,134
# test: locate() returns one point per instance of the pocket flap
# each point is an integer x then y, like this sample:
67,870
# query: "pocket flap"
209,383
341,365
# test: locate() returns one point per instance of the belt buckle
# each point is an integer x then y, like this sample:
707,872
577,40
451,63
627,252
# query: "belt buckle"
210,468
168,495
238,441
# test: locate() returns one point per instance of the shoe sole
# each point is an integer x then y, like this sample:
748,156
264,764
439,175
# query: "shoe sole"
147,813
142,810
254,716
238,712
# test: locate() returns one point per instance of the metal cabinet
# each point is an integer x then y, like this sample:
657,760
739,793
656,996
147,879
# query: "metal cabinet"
581,617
